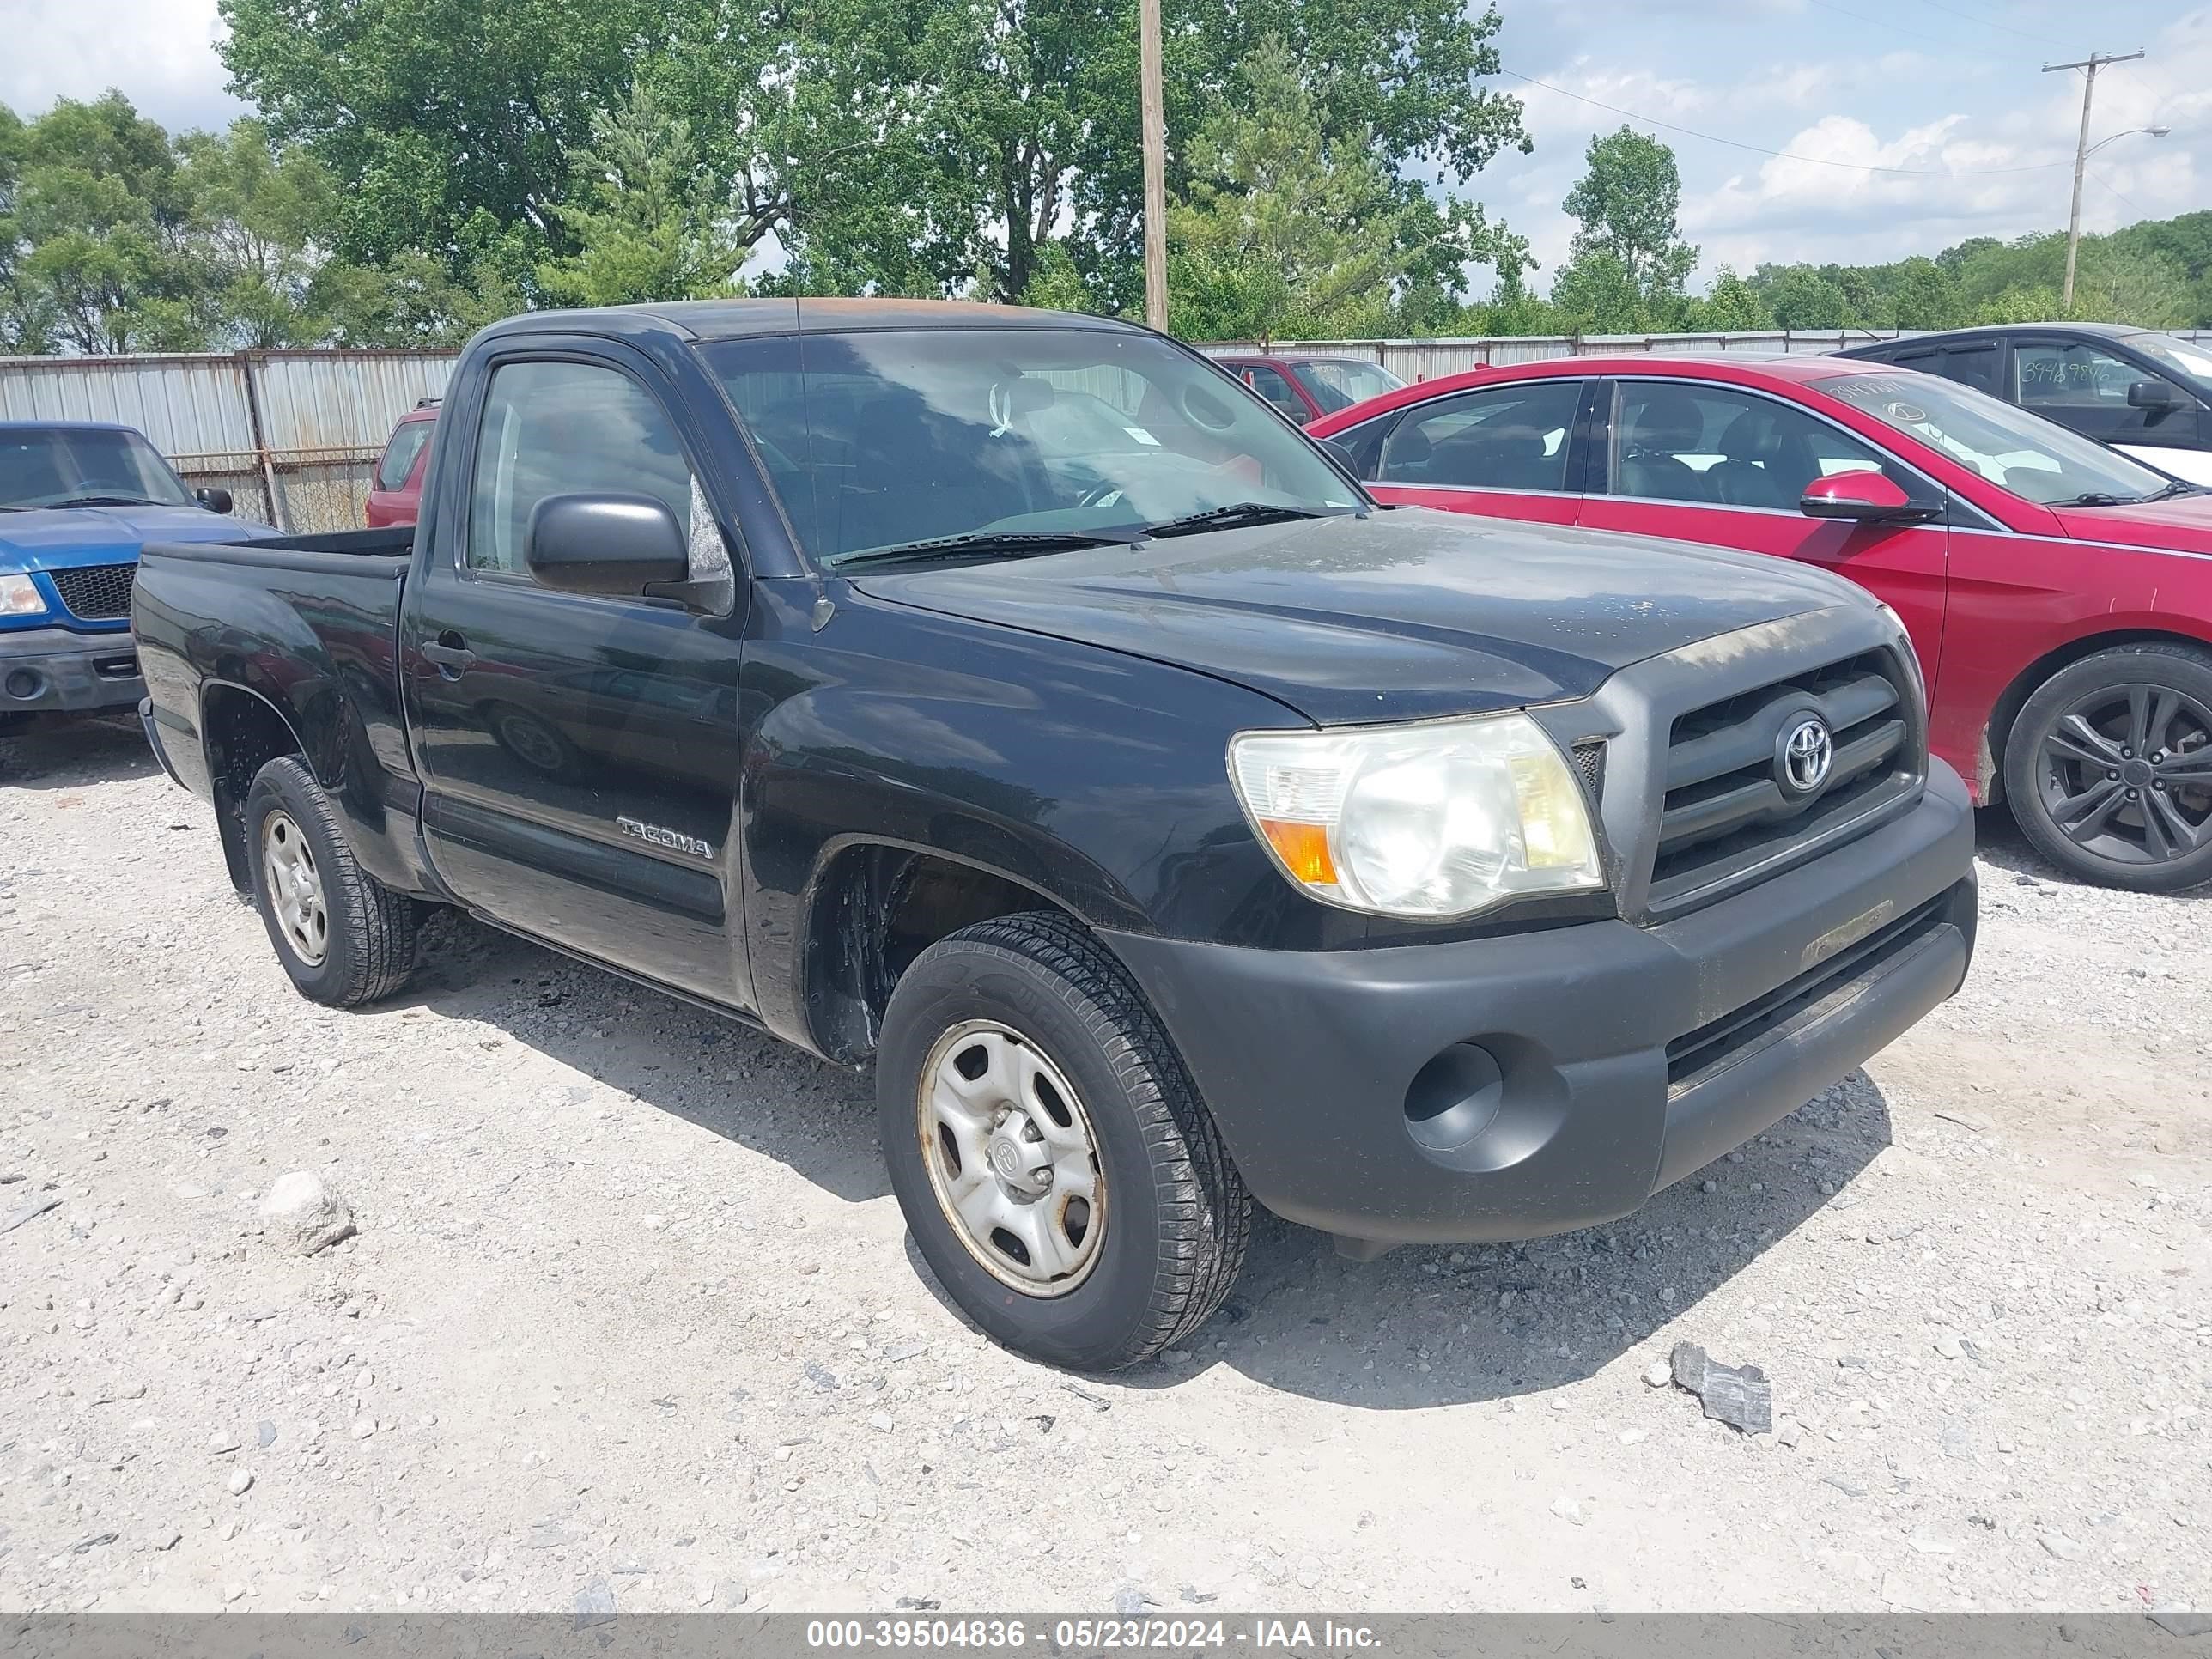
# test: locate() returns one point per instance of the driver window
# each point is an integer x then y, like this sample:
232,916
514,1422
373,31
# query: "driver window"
554,429
1725,448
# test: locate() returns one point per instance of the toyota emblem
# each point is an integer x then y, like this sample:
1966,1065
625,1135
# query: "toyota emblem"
1806,752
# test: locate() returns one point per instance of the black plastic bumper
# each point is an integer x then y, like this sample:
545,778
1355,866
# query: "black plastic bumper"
1610,1060
53,671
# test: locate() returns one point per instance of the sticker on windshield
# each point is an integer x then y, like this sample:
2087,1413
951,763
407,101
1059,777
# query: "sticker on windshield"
1141,435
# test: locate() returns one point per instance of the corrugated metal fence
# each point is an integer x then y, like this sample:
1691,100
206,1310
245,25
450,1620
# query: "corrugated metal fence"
294,435
1424,360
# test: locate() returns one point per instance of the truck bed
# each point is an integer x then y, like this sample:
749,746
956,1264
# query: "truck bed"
394,545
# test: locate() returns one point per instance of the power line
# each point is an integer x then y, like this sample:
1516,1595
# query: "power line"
1883,23
1990,22
1782,155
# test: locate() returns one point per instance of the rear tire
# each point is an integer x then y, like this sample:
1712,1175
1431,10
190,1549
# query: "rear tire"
2108,767
343,937
1057,1169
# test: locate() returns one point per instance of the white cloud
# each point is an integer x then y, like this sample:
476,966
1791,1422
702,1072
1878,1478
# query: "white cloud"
159,52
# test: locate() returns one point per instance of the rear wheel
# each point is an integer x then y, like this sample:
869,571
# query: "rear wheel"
343,937
2109,767
1058,1172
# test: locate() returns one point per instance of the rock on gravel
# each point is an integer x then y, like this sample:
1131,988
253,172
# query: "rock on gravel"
302,1211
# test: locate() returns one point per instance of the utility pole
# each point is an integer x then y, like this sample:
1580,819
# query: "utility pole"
2089,66
1155,164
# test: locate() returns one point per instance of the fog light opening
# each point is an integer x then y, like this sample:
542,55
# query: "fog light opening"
1455,1097
23,685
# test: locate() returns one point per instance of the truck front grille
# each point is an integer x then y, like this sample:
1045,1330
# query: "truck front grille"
1733,806
96,593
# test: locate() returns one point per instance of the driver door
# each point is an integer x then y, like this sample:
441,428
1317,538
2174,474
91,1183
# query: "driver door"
579,752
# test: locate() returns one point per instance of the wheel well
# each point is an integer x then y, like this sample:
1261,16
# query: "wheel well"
243,732
876,908
2007,709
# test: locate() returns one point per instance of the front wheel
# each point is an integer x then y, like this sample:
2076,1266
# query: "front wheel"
2109,767
343,937
1057,1169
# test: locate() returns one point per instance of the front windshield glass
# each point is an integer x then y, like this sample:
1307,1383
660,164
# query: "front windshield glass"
70,466
877,440
2182,356
2013,449
1340,382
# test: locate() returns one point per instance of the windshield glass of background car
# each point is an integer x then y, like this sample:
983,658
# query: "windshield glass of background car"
2013,449
879,439
2180,356
1340,382
47,466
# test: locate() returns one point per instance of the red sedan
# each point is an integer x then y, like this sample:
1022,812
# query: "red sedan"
2059,594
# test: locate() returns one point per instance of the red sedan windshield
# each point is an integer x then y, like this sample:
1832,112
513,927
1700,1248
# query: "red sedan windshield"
2013,449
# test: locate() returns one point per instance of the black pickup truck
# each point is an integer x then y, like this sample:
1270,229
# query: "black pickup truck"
1015,701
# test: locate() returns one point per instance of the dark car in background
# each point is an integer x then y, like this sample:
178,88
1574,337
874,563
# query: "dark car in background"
2146,393
1306,387
395,493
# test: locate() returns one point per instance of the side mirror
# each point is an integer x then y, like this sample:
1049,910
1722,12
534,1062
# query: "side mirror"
215,500
1341,454
2151,394
1868,498
616,546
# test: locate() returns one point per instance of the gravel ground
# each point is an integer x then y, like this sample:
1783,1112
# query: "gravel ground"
631,1319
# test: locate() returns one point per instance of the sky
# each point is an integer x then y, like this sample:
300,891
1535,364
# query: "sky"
1938,86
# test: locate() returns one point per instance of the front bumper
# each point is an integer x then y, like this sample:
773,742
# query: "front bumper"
1610,1060
52,670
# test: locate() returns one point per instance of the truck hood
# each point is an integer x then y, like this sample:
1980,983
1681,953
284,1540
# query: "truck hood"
1405,614
64,537
2184,524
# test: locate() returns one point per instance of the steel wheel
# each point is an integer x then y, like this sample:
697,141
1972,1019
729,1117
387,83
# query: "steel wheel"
295,888
2125,773
1011,1157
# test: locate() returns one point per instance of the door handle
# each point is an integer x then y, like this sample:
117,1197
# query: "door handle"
450,652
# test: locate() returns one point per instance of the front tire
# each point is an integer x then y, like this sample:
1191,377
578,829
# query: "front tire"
1056,1167
343,937
2109,767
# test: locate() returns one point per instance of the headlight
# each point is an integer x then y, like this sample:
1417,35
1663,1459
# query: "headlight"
19,597
1441,819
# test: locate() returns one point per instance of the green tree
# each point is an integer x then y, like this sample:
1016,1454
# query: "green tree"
429,110
1801,297
1627,203
1597,294
1925,295
1285,234
101,221
646,219
261,224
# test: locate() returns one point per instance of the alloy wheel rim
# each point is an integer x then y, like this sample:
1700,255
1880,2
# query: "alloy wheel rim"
1011,1157
2125,774
295,885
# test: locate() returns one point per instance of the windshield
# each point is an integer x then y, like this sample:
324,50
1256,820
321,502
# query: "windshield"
2182,356
64,466
1340,382
879,440
2013,449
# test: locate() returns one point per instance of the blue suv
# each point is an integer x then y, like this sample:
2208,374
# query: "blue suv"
77,500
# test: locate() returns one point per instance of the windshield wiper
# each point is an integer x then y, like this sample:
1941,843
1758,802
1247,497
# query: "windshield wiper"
108,500
1219,518
2179,487
1017,542
2099,498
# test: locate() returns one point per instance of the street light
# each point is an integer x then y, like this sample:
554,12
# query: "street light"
2073,220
